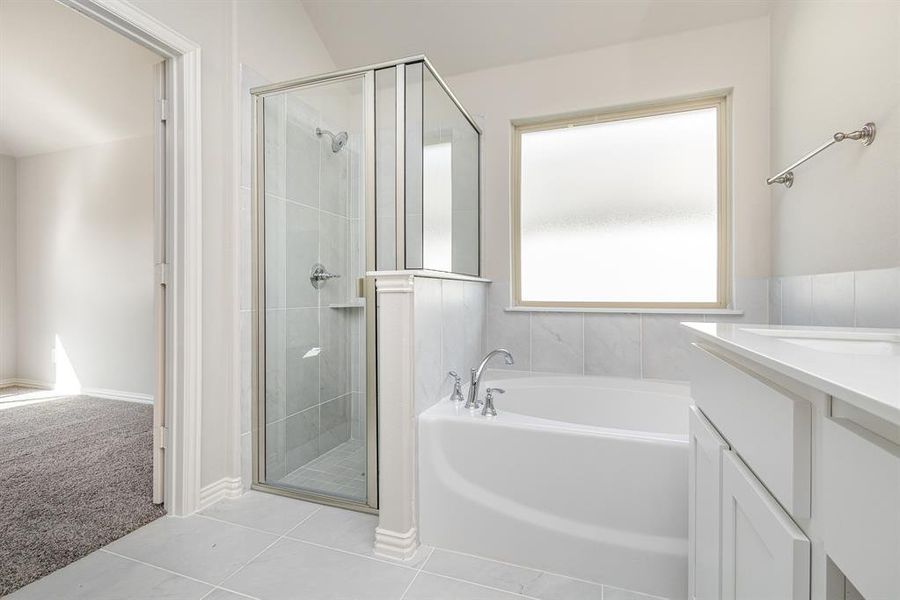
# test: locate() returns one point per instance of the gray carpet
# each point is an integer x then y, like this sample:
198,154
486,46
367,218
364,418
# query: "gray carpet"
75,474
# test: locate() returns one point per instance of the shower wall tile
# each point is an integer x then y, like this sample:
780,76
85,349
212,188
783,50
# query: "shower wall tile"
796,300
276,466
665,346
334,357
301,253
557,342
276,251
275,145
334,193
303,150
878,298
333,244
276,364
832,299
334,423
612,345
358,416
510,330
357,351
301,438
302,360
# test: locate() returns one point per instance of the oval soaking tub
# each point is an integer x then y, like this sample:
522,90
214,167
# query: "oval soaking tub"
582,476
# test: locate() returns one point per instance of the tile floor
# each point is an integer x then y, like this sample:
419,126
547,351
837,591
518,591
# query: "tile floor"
269,547
340,471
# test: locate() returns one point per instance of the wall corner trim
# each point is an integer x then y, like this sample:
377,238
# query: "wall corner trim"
396,535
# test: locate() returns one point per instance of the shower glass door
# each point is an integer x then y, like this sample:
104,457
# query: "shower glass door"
312,415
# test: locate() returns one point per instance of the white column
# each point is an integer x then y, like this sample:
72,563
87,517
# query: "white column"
396,536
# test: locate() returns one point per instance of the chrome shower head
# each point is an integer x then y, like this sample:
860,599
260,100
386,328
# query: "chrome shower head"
338,141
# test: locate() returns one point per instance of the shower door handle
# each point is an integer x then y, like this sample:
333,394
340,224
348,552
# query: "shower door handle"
319,275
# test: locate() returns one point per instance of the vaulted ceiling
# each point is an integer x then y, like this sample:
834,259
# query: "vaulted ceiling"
467,35
66,81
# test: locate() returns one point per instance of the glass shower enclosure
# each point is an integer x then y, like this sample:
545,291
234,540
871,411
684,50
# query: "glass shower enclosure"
362,170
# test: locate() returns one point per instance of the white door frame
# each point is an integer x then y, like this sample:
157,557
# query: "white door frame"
182,274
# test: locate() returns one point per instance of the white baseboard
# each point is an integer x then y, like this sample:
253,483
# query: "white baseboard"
117,395
28,383
398,546
94,392
227,487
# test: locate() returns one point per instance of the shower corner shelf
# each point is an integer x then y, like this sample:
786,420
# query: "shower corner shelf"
359,304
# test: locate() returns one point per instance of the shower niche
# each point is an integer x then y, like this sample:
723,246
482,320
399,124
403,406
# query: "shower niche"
355,172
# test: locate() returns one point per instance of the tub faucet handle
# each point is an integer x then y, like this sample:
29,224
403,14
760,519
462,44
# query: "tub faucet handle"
457,387
489,410
473,401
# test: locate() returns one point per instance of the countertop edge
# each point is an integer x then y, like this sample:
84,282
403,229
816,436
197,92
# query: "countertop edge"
871,405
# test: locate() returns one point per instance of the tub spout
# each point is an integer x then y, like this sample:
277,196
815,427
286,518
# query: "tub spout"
473,402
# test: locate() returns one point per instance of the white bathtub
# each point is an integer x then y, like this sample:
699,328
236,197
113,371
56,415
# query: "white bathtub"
583,476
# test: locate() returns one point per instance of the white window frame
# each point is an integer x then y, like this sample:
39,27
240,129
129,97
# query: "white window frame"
718,100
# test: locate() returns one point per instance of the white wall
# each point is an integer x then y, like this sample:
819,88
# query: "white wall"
276,39
7,268
85,266
836,65
730,56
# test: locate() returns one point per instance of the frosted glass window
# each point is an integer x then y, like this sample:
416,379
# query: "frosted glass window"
624,211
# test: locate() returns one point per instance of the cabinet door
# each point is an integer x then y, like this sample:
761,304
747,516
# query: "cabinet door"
704,513
765,556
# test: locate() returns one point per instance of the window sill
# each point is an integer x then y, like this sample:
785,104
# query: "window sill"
645,311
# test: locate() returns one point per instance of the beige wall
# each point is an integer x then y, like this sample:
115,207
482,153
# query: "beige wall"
734,56
85,266
7,268
731,56
836,65
276,39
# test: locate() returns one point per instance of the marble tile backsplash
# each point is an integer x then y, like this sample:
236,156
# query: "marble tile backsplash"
850,299
450,319
611,344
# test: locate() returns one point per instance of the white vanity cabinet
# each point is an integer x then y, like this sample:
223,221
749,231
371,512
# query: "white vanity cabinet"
705,514
765,556
750,444
795,465
743,546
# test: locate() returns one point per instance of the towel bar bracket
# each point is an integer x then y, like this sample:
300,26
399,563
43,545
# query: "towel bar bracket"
866,135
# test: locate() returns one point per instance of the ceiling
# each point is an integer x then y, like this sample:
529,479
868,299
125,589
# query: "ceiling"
66,81
468,35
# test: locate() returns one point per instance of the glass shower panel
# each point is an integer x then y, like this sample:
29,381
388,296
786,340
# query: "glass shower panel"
314,321
386,169
442,178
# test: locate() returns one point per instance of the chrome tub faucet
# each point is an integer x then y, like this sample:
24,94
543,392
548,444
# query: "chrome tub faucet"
473,402
456,396
489,410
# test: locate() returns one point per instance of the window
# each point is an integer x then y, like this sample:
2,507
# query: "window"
624,209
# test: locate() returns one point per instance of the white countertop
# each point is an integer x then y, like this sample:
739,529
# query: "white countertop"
869,382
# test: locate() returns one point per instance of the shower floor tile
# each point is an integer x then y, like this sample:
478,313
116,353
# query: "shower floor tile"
340,471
